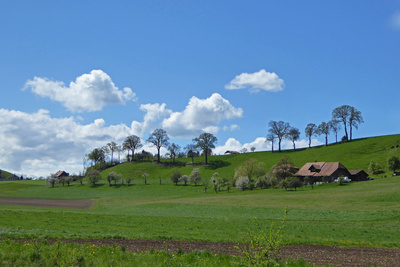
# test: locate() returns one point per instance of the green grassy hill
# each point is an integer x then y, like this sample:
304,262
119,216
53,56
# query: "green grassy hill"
5,174
355,214
354,155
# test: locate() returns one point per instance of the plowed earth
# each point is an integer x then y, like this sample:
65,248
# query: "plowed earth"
316,254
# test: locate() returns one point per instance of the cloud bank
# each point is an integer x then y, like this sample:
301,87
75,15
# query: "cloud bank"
36,144
89,92
257,81
260,144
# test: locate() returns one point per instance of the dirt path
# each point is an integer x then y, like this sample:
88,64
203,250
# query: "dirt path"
316,254
49,203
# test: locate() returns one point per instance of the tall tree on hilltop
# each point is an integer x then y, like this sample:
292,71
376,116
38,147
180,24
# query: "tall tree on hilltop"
174,150
112,147
271,138
335,126
206,142
342,114
293,135
132,143
158,138
324,129
191,151
310,131
355,119
279,129
97,156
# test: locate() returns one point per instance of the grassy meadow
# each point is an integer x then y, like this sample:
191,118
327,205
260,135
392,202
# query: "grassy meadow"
355,214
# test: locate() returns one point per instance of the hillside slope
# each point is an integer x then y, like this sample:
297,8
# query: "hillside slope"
4,174
354,155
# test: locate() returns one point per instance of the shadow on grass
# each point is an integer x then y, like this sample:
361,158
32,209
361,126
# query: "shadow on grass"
97,185
217,164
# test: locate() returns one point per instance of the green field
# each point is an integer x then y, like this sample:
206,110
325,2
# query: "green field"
357,214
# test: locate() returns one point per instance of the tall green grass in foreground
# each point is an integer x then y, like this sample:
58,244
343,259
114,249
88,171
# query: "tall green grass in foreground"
34,253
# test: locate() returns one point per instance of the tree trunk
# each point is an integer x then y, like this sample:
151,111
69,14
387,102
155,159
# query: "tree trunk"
326,140
309,142
351,132
279,144
345,130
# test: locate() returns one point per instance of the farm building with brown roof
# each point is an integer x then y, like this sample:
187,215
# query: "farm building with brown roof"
61,174
329,171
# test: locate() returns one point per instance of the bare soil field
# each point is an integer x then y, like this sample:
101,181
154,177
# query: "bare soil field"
315,254
49,203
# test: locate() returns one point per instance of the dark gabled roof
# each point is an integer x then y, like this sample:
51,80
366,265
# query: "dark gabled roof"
61,173
355,172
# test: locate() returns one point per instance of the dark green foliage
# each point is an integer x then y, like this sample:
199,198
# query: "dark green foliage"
205,142
374,168
175,176
93,176
393,163
263,247
294,182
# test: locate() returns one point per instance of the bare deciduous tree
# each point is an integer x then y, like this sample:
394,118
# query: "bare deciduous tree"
132,143
311,130
206,142
278,129
293,135
324,129
158,138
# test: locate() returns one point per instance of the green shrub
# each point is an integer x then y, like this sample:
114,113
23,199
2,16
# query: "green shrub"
264,247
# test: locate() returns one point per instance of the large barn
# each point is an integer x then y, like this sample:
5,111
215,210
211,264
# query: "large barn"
329,171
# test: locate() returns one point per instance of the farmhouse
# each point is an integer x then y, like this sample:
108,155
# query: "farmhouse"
61,174
329,171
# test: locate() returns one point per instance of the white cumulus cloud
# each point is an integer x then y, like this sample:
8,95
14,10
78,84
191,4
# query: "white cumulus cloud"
89,92
154,114
257,81
37,144
201,115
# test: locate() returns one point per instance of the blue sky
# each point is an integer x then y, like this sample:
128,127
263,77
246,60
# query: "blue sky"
75,76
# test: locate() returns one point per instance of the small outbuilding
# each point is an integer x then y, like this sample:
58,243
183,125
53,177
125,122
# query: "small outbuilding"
359,175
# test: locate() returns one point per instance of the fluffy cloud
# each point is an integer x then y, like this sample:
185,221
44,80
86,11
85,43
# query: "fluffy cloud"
396,20
257,81
89,92
200,115
36,144
154,113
